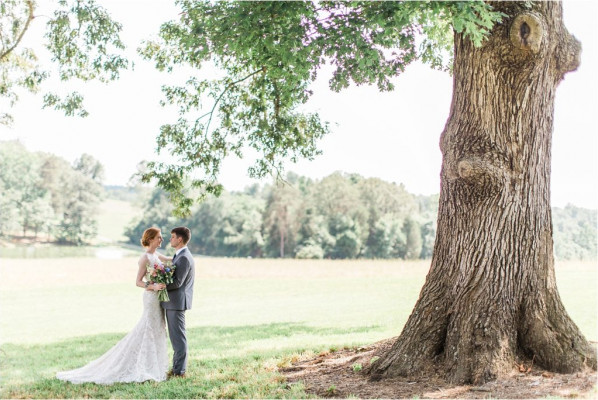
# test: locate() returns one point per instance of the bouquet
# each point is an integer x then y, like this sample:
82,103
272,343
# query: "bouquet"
161,273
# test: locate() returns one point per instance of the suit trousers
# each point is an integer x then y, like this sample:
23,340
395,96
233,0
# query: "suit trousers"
178,339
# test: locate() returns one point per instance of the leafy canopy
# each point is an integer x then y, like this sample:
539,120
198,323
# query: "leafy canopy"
81,38
270,53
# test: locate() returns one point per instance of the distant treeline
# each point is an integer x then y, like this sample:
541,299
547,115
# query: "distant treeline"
342,216
43,195
575,235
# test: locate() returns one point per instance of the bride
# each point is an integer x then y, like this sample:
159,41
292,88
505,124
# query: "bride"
141,355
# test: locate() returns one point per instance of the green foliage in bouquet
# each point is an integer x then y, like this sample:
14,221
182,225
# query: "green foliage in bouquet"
162,273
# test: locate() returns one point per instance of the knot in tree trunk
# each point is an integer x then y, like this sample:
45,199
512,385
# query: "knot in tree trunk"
527,32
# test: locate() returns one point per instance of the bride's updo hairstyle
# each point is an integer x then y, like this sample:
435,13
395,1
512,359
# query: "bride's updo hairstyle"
148,235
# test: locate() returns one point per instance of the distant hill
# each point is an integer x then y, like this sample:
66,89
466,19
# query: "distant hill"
113,218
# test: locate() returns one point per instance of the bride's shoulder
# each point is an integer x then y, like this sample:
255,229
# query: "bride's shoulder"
143,257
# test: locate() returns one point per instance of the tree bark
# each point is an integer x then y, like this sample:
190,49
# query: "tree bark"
490,295
281,242
282,226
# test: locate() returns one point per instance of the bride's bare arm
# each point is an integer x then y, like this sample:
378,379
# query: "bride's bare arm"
163,257
141,271
143,261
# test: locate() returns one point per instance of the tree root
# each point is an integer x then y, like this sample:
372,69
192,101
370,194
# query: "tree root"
550,336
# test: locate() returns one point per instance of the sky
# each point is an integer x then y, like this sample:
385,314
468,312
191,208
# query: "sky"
393,136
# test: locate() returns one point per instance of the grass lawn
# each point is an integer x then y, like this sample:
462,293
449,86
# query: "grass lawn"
249,317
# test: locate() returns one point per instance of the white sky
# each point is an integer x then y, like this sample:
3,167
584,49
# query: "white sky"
393,136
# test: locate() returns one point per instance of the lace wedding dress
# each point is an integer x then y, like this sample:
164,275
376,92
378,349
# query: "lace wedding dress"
140,356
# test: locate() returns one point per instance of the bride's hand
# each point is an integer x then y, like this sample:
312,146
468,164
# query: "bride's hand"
158,286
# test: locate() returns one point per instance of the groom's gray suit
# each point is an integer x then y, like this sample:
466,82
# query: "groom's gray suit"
180,292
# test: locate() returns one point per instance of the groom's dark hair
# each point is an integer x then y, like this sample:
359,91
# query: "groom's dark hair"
183,232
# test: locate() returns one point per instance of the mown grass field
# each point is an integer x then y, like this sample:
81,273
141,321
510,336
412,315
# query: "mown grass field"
249,317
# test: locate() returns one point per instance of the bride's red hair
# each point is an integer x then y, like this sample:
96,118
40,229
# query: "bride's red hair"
148,235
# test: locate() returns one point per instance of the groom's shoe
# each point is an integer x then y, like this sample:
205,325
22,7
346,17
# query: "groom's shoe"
171,374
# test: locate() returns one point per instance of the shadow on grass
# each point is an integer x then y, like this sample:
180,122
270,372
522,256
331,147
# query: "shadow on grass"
229,362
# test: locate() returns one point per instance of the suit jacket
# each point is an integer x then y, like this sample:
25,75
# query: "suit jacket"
180,290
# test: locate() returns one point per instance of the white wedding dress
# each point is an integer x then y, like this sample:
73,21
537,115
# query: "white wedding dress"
140,356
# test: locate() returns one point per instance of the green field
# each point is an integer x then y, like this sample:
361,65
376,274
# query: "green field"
249,317
114,216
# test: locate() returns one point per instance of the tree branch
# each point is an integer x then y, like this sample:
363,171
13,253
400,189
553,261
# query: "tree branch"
29,19
230,85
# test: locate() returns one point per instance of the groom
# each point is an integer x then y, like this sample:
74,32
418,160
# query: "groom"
180,292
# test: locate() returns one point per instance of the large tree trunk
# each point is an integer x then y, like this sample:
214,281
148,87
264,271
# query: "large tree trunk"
490,295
